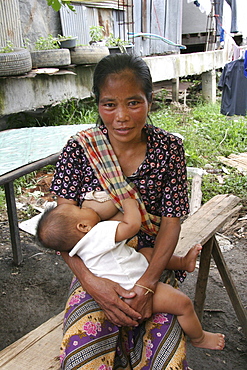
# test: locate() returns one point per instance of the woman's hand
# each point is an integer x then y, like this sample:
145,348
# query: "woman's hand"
105,292
142,301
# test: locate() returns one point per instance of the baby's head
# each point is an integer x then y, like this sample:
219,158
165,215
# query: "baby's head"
61,227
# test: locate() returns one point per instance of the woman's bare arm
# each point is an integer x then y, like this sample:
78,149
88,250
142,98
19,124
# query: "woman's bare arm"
165,244
105,292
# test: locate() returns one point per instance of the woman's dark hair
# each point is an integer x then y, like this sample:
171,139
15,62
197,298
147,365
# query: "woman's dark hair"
116,63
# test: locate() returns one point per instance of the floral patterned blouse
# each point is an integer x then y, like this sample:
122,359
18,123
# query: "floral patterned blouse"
161,178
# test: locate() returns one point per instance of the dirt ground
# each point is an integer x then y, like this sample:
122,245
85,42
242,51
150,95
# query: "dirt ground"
37,290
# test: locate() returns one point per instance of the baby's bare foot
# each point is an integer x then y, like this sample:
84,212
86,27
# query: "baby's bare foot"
190,259
210,341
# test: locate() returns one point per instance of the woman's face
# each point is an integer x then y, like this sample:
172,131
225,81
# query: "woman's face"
123,107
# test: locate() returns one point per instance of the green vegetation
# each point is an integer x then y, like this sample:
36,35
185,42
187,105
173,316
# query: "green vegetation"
207,135
96,33
8,48
69,112
57,4
112,41
47,43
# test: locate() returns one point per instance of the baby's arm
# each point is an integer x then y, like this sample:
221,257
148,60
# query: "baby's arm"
131,223
105,210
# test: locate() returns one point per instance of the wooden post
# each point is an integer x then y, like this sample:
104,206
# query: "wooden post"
209,86
13,223
175,89
202,278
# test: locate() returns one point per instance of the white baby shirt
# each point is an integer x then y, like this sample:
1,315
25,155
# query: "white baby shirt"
108,259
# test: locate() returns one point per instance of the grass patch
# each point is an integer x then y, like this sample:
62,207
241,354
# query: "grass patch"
70,112
207,135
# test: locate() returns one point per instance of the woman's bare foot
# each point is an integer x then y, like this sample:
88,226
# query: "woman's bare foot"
210,341
189,261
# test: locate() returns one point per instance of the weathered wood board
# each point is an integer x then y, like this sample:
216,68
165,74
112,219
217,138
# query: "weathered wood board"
206,221
37,350
238,161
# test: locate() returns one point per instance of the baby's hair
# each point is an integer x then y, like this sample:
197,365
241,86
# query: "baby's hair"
54,230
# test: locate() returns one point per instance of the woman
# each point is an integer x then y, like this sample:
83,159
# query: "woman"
124,155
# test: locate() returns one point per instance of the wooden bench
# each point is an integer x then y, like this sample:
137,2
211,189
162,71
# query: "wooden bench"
40,348
37,350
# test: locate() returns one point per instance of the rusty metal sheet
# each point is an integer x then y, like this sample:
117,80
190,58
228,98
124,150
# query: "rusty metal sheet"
10,23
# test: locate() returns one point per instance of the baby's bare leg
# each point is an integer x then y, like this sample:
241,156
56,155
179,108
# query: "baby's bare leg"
171,300
187,263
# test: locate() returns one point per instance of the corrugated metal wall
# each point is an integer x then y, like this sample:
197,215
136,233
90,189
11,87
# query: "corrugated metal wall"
112,4
79,23
160,17
10,23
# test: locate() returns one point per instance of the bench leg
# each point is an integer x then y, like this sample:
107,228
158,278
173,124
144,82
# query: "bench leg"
230,286
13,223
202,278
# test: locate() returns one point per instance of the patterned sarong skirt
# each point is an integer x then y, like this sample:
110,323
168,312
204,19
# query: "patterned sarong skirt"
91,342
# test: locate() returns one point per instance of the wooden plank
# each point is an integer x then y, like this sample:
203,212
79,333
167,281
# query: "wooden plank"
230,286
192,234
239,157
38,349
238,161
203,224
242,162
202,279
199,227
196,194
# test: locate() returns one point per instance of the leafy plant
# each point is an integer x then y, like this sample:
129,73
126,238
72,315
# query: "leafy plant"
116,41
208,134
96,33
26,43
62,38
57,4
9,48
47,43
72,112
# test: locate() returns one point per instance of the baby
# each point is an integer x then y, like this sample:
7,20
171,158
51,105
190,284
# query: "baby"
102,247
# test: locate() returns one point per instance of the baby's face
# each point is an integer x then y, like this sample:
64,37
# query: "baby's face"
84,215
87,215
